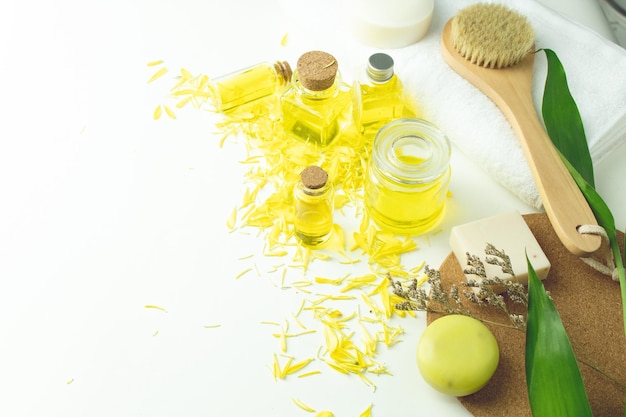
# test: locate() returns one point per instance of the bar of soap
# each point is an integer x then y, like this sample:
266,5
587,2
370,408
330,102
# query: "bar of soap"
508,232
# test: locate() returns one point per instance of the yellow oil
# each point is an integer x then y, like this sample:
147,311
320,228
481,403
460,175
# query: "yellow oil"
248,85
313,225
377,104
407,209
313,221
407,179
313,116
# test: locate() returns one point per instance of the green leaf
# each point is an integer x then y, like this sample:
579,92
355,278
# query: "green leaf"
552,374
555,385
565,128
562,119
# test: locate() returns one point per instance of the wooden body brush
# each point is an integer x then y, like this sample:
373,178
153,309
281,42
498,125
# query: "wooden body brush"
491,46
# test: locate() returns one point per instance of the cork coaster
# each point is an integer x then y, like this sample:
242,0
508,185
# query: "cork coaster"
589,304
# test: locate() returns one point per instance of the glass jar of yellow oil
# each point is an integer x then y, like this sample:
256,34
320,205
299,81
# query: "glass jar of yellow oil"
316,107
313,197
407,179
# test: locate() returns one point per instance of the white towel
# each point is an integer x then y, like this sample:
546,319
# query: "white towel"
594,67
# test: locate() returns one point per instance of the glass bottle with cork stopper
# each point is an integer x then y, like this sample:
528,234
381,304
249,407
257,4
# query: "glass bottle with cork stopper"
378,96
313,196
250,84
316,107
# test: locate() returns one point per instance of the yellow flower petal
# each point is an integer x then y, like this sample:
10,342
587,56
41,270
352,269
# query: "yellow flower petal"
157,112
155,307
169,112
160,72
231,222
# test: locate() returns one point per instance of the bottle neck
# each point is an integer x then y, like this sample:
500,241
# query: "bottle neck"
388,82
283,72
314,94
315,192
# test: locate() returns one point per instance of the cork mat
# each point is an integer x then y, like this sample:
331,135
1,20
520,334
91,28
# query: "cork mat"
590,307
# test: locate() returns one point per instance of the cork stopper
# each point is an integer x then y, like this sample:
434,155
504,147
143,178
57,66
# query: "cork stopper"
313,177
317,70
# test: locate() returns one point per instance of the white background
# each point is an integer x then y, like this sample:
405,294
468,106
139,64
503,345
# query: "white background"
104,211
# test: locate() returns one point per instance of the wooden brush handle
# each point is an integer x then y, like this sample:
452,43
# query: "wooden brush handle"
562,199
510,89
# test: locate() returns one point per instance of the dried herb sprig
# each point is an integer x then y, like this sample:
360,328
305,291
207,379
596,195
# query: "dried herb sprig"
438,300
499,258
484,291
481,291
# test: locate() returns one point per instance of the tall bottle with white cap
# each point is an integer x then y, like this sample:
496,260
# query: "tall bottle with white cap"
378,96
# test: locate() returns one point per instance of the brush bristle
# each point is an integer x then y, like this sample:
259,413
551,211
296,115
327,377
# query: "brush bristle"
492,35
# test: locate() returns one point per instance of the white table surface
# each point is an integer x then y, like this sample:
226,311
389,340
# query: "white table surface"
105,211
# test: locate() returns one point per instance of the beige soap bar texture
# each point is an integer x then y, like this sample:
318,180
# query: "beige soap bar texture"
508,232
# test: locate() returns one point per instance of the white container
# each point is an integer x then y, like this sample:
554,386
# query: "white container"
389,23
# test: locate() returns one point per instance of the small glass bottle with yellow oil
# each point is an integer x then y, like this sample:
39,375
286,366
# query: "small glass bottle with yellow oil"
250,84
407,178
378,96
313,196
316,107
